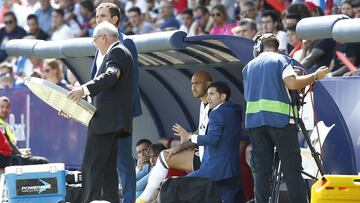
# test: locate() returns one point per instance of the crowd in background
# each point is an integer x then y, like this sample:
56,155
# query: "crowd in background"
64,19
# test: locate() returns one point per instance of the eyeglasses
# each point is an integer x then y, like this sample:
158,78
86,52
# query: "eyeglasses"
95,38
216,14
9,22
5,75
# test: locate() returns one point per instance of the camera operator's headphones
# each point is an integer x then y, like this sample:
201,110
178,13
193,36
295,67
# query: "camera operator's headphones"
259,42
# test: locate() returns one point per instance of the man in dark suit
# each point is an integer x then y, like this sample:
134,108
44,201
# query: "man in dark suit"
125,162
111,92
221,160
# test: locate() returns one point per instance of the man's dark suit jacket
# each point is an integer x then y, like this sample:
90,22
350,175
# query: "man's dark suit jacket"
112,97
130,45
221,158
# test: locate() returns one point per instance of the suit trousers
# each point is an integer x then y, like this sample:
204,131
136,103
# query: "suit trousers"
263,140
99,175
126,168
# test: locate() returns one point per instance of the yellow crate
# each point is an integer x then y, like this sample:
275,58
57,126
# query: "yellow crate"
336,189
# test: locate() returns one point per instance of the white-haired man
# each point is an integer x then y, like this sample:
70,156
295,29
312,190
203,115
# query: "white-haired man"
112,96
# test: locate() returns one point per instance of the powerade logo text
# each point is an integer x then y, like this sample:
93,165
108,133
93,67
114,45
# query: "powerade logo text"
36,186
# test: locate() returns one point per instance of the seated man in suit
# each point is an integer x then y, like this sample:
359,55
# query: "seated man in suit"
221,158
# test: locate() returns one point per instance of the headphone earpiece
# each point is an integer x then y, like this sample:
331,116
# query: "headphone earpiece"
258,46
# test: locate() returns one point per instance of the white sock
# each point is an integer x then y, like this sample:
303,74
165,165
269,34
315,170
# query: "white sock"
157,175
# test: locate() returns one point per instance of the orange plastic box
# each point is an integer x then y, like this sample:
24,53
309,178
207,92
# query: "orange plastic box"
336,189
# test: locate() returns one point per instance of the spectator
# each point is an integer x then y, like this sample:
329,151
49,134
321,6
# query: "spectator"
180,6
87,11
10,31
248,10
53,72
15,156
153,152
72,15
138,25
295,42
188,24
229,6
32,6
142,164
312,8
44,14
296,12
220,18
201,15
291,19
166,18
270,23
24,66
152,12
246,28
356,8
346,8
60,29
351,53
7,79
92,24
141,4
20,11
320,55
34,29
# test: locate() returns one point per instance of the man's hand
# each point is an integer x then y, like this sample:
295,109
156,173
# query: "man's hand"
180,131
321,72
142,161
76,94
61,113
181,147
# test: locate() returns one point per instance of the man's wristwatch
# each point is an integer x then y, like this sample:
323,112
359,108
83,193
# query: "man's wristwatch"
315,77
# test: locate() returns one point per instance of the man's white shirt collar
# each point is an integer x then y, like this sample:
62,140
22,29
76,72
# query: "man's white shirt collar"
218,106
100,57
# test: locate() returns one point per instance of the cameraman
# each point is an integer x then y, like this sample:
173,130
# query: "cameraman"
270,116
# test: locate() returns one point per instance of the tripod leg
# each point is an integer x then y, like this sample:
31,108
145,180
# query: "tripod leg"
276,179
314,153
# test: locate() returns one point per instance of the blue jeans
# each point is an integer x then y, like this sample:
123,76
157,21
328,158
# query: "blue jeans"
126,169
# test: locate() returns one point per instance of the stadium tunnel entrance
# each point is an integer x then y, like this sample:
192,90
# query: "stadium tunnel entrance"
167,61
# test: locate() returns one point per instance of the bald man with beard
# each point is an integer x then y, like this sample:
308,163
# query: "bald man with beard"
182,156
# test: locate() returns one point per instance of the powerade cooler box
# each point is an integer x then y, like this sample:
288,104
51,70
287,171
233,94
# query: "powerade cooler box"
44,183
